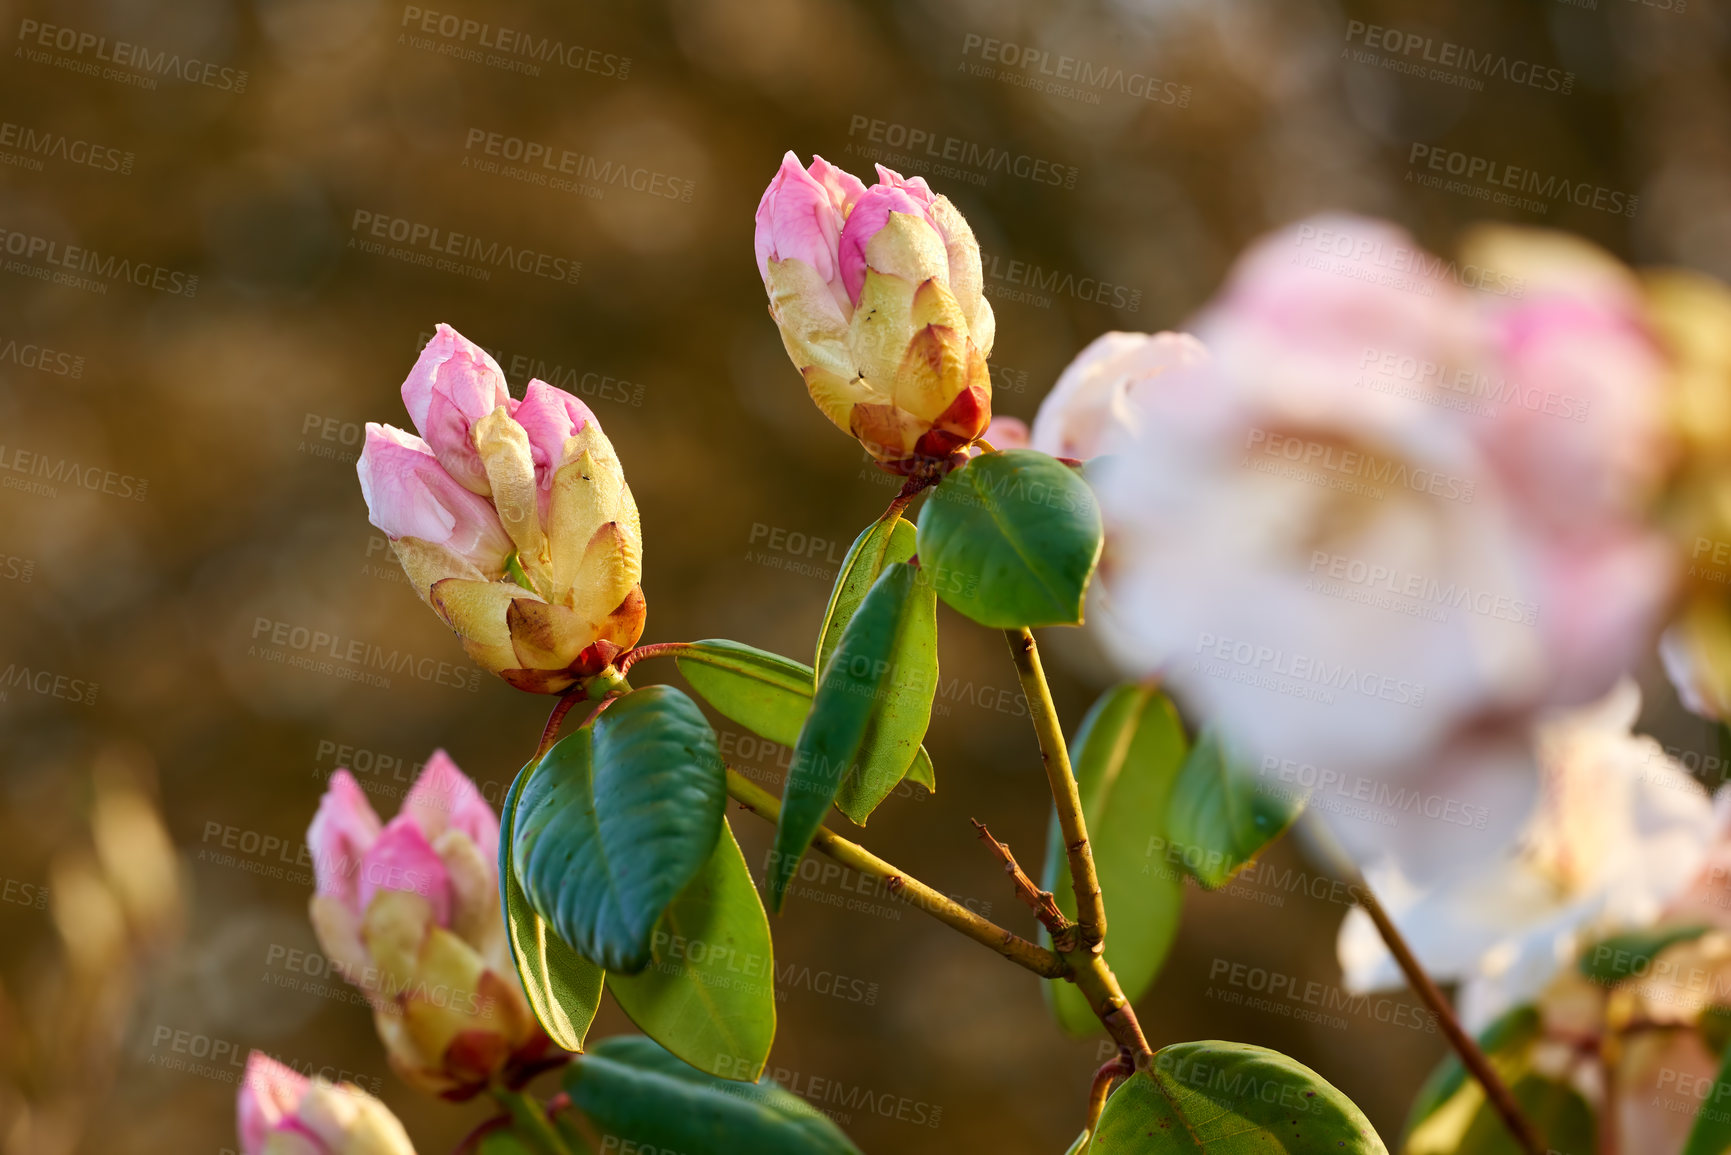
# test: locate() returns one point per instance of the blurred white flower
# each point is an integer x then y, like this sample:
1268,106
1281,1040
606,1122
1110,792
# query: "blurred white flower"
1327,545
1619,831
1092,406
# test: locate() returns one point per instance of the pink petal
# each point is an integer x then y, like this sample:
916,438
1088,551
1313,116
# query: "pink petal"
455,367
443,797
798,219
270,1093
341,832
550,416
869,216
409,494
403,859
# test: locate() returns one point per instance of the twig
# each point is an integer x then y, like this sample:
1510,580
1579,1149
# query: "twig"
629,658
1464,1045
1041,902
1090,908
940,906
550,732
1120,1066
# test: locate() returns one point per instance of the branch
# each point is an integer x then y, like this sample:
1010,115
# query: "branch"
1120,1066
1041,902
940,906
1090,909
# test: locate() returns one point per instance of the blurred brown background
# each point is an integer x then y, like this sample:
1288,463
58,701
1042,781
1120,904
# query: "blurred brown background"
182,536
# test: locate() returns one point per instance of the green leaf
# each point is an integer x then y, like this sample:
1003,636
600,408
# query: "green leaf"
771,695
1506,1039
1213,1098
618,819
1630,955
1221,818
708,995
870,711
635,1091
884,542
502,1143
563,987
1010,539
1468,1125
1711,1134
1126,756
1080,1146
1451,1115
766,693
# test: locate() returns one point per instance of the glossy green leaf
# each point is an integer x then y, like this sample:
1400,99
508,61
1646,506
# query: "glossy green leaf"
633,1091
1711,1134
771,695
1611,960
766,693
884,542
1213,1098
1126,756
563,987
870,710
1010,539
619,817
1221,817
708,994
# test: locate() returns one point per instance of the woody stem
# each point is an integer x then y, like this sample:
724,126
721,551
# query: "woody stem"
940,906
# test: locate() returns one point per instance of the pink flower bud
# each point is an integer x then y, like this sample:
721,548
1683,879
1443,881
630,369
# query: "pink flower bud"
311,1115
800,218
344,828
401,858
443,798
409,494
552,418
454,384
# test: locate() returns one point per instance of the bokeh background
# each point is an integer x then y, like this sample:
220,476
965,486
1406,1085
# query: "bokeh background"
178,436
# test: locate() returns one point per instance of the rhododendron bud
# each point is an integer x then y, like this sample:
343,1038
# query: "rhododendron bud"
514,524
879,297
408,911
282,1112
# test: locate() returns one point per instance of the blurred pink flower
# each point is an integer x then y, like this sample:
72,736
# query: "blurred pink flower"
1322,546
282,1112
409,912
1093,405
